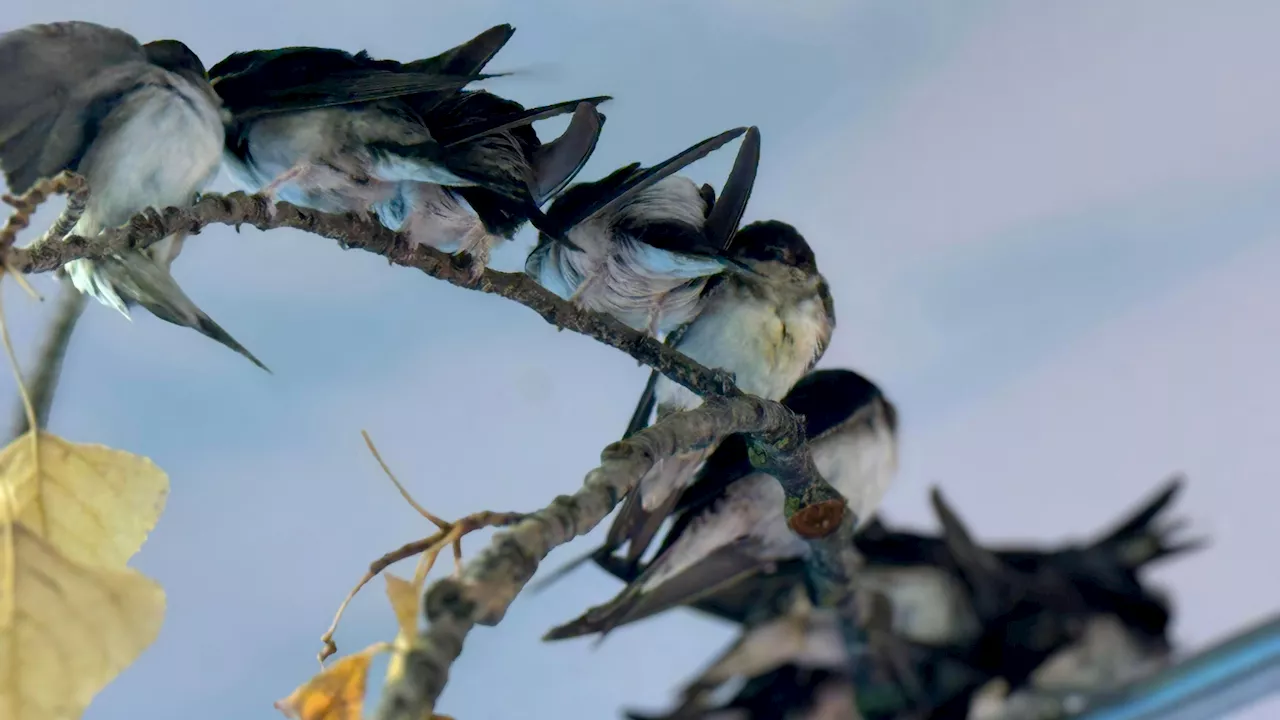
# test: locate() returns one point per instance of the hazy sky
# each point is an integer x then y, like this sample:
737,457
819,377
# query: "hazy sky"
1053,234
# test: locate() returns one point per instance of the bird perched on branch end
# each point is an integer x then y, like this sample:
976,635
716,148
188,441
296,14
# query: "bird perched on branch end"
730,523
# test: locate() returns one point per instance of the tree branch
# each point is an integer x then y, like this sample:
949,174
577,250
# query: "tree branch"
48,369
806,490
352,231
492,580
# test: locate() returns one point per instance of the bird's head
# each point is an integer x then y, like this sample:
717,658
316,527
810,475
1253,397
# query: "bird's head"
176,57
774,249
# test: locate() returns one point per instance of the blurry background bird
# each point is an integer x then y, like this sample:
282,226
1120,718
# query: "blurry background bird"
1075,620
650,239
140,123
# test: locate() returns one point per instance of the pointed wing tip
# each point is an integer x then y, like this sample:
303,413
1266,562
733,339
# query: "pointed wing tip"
935,497
573,629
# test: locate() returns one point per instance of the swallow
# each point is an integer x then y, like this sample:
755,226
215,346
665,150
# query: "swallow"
1104,576
140,123
650,239
337,132
768,327
1109,630
731,525
474,219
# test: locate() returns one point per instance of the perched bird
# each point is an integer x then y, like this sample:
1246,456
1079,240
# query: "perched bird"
337,132
650,238
768,327
475,219
732,526
140,123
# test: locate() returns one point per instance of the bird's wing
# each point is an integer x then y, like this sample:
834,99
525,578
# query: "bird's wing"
265,82
477,128
638,181
824,338
743,601
558,162
59,81
726,213
644,407
469,57
727,564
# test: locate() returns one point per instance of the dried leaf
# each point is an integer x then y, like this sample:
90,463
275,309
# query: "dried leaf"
93,503
405,602
66,630
335,693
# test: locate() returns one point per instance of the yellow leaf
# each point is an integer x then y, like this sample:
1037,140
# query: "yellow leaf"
336,693
404,599
93,503
66,630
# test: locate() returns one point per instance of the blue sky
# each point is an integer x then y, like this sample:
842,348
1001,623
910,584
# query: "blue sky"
1052,233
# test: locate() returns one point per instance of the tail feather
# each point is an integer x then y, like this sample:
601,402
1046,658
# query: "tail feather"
138,279
1141,538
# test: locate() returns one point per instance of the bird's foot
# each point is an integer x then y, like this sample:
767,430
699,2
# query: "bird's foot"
270,200
577,298
479,261
655,317
271,192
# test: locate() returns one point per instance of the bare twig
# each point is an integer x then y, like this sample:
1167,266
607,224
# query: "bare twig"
24,206
48,369
450,534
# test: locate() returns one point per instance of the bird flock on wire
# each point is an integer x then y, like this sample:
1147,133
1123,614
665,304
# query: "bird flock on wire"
463,170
